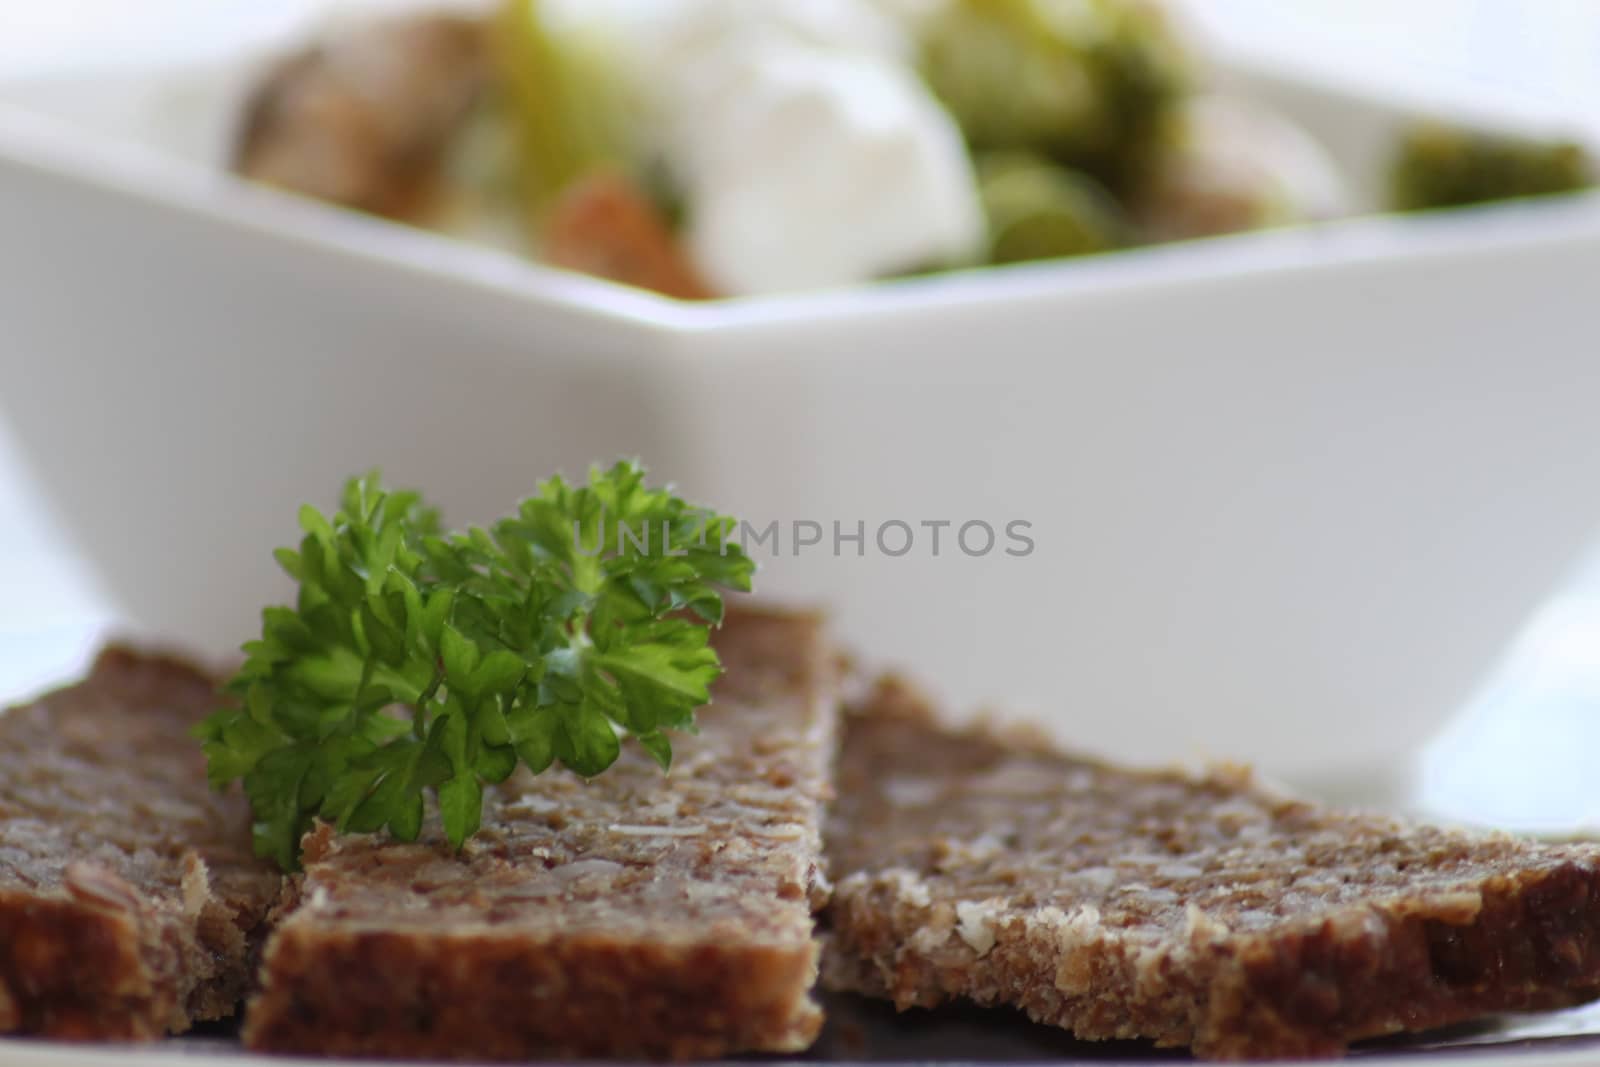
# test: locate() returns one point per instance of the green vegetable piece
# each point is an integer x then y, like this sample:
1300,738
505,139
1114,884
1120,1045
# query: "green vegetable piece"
1039,210
414,662
1088,83
461,805
1444,166
567,104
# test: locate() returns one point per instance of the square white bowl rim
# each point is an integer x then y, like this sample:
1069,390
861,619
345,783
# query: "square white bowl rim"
672,327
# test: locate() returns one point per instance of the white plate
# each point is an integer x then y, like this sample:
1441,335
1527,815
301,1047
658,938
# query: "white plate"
965,1036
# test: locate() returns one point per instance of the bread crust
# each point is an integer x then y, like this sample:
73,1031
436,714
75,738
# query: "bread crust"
1160,905
639,914
130,902
481,996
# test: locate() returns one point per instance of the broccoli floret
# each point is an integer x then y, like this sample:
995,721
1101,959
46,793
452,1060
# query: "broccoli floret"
1444,166
1087,83
1038,209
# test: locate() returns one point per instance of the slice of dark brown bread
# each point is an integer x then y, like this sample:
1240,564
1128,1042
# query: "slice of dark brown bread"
1201,911
639,914
130,902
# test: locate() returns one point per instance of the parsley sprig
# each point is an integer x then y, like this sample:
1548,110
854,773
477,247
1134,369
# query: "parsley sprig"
415,660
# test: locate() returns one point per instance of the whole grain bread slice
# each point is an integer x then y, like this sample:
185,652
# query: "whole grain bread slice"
130,902
1201,911
637,914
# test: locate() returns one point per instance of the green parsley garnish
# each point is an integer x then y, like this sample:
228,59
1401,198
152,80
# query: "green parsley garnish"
415,660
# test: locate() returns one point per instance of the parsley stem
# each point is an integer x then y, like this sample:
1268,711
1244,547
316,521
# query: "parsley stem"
419,710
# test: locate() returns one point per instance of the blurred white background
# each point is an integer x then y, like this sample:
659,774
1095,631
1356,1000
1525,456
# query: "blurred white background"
1546,49
1545,53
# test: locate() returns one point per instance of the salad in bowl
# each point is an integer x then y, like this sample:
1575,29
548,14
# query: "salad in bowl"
711,148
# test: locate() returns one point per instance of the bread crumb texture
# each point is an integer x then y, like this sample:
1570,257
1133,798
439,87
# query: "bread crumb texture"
130,903
1200,911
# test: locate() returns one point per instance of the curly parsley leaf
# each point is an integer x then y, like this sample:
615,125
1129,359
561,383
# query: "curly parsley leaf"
416,661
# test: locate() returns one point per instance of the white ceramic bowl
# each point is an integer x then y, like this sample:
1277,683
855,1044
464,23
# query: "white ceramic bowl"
1288,493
